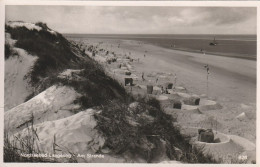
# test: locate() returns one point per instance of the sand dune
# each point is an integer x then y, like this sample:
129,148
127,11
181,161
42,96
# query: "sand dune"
75,134
54,103
17,67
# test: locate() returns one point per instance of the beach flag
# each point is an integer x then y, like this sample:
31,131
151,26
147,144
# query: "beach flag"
207,68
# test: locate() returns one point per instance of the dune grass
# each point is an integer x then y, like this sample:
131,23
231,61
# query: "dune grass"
8,51
143,137
138,131
16,147
53,51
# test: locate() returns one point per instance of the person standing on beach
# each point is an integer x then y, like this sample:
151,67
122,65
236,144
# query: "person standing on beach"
143,76
207,68
162,90
156,80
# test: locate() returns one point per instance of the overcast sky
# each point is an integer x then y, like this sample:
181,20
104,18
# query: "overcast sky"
139,20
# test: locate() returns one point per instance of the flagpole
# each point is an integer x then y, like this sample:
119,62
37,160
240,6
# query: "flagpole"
207,84
207,69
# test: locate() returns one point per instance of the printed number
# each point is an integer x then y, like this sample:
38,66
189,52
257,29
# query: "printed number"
242,157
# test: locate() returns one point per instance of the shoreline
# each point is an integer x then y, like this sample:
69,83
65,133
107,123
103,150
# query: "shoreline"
180,47
216,54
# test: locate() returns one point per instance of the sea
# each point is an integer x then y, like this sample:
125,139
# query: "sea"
238,46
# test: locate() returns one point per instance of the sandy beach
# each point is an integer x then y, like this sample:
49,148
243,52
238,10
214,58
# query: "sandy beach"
231,82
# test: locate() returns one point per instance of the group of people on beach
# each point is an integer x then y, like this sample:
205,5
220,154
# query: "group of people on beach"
164,91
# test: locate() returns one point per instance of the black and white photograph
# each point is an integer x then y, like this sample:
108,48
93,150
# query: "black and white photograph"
147,84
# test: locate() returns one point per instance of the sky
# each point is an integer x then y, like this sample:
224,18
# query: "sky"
139,19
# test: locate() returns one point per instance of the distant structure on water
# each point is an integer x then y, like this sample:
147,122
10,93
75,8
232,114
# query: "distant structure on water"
214,43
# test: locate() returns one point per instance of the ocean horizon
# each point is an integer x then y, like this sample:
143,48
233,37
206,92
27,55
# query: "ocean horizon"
238,46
